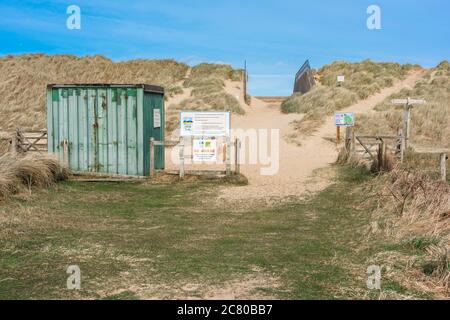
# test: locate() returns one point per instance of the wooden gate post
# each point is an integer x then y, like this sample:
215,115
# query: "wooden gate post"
181,144
228,155
338,134
152,157
348,139
237,156
444,167
353,148
381,156
14,145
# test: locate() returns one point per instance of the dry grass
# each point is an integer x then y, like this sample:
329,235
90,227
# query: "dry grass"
208,88
4,146
25,173
23,80
218,71
429,122
414,211
316,104
364,78
361,81
220,101
207,84
411,209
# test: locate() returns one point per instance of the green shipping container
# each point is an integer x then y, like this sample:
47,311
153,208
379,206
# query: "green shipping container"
107,127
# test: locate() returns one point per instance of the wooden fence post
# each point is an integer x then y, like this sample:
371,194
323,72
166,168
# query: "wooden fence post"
381,156
152,157
14,145
348,139
245,82
444,167
66,152
181,144
237,156
338,134
353,150
407,119
228,159
401,145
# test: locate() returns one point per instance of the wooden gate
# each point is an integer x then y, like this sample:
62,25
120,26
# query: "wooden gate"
368,146
29,141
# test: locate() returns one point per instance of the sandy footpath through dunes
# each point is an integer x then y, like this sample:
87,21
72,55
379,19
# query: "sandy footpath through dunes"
296,163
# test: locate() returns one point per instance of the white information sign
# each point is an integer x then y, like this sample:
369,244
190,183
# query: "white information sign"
204,124
204,150
156,118
346,119
340,78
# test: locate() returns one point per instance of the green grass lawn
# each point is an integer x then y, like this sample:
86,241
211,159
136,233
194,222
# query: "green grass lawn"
137,240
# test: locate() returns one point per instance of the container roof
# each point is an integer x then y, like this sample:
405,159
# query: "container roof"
146,87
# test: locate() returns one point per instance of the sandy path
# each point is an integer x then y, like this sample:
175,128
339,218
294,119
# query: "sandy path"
296,164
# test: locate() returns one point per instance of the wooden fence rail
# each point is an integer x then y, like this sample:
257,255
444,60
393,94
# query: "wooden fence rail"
181,144
378,147
29,141
443,157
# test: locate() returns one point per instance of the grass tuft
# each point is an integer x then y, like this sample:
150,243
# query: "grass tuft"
28,172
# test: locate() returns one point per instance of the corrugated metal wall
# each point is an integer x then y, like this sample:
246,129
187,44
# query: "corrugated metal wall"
106,128
153,101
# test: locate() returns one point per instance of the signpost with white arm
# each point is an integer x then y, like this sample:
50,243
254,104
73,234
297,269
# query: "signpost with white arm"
408,103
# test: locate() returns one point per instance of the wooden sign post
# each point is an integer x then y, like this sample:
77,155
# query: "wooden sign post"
408,103
343,119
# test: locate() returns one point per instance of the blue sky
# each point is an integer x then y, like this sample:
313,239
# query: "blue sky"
275,37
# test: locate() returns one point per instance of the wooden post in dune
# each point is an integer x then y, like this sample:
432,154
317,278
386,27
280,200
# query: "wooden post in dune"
245,81
443,166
